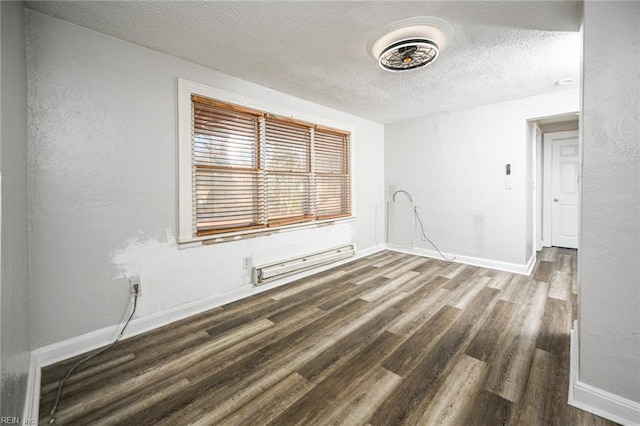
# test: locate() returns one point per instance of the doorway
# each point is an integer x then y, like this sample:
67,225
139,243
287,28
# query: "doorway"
557,182
560,190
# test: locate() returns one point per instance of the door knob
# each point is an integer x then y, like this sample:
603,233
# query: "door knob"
555,200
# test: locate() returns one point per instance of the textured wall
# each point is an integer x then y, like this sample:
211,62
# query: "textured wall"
14,278
454,166
102,164
609,252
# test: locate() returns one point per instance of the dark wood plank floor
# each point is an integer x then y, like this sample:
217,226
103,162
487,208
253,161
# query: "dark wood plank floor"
386,340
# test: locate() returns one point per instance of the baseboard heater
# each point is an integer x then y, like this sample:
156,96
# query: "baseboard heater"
272,271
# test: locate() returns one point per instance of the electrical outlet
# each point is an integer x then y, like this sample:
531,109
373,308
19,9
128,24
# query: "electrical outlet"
246,262
133,281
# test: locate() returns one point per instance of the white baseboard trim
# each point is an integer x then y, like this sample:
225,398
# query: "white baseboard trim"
573,359
56,352
595,400
531,264
32,398
517,268
369,251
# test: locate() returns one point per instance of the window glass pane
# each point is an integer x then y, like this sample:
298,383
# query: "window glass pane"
288,196
332,178
331,152
226,199
286,147
224,138
333,195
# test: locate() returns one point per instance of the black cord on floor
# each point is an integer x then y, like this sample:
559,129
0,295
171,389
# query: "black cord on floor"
91,356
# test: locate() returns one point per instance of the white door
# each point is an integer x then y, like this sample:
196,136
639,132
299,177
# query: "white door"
565,171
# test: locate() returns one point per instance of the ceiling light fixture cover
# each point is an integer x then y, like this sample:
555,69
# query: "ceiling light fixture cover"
410,43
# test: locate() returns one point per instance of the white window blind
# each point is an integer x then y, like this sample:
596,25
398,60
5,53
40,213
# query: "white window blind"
253,170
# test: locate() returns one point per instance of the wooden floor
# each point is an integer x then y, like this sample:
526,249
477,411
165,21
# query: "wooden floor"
386,340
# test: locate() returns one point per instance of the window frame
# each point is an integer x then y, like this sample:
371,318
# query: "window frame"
186,234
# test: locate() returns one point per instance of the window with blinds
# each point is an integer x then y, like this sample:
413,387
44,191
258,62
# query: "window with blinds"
254,170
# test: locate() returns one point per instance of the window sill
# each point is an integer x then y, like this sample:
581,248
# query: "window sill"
243,235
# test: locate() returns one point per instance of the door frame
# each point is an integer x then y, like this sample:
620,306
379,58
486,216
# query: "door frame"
538,173
548,139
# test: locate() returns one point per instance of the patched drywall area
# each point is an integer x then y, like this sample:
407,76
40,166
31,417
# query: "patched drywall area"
453,164
102,181
14,272
610,222
163,267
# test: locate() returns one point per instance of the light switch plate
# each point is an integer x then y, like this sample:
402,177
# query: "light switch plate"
508,184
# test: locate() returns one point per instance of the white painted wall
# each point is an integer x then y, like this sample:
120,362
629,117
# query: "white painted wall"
609,253
454,166
14,278
102,170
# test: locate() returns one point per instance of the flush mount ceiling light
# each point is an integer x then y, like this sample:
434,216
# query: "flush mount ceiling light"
410,43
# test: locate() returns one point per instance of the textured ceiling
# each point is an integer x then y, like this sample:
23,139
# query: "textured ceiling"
316,50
